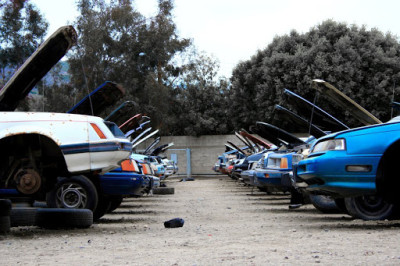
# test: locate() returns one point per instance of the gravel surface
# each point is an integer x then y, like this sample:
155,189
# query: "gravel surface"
225,223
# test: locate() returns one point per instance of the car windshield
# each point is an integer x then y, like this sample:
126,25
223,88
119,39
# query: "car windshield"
114,129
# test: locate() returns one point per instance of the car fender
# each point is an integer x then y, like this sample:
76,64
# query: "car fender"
28,129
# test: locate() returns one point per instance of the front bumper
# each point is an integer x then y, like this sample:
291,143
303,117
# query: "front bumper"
269,178
329,174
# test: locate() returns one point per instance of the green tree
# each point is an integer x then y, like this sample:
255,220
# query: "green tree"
362,63
117,43
201,102
22,29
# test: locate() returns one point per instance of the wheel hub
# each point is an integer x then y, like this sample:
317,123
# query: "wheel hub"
71,196
28,181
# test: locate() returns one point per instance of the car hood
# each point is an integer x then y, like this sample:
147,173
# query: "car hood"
254,139
319,116
337,134
122,113
276,135
235,147
107,94
161,149
131,123
299,121
154,143
339,98
36,67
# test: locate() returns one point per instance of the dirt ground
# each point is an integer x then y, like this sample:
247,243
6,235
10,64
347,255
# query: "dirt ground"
225,223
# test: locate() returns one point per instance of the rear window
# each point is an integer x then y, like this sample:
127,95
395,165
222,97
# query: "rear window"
114,129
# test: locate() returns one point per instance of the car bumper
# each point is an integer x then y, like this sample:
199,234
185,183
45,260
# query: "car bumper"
269,178
329,173
122,184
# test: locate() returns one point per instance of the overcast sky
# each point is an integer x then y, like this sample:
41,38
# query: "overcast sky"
233,30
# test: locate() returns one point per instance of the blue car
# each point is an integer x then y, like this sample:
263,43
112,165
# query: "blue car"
359,165
126,181
272,170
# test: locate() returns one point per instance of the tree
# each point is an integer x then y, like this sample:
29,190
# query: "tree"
117,43
362,63
201,103
22,29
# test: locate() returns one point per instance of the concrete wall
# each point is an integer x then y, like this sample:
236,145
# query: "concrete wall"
204,151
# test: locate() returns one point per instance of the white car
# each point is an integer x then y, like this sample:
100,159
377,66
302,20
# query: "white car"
37,148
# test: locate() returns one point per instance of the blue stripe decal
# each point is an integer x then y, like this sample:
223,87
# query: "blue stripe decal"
98,147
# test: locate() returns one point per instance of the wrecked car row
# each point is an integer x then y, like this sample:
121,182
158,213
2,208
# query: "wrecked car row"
351,171
73,160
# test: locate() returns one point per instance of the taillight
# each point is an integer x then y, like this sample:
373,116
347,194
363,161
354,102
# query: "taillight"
146,170
127,166
98,131
284,163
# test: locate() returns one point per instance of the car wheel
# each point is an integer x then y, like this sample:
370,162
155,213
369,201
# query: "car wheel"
369,207
115,203
23,216
64,218
164,190
103,205
324,204
76,192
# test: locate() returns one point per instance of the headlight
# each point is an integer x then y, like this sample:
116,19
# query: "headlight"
330,145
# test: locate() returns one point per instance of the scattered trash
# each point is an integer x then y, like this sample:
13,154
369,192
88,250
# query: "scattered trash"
176,222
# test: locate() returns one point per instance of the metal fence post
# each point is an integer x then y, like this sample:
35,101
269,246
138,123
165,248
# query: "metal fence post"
189,164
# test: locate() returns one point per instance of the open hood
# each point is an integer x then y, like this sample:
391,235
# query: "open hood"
152,145
319,116
339,98
36,67
293,118
135,131
131,123
161,149
276,135
235,147
136,137
122,113
229,147
105,95
137,141
254,139
245,142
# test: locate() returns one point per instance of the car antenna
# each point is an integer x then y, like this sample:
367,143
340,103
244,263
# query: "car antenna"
312,112
391,111
87,87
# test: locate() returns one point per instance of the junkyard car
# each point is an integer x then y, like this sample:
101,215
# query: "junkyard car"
359,164
39,147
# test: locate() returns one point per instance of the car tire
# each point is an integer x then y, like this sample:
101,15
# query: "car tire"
324,204
54,218
23,216
103,205
369,207
5,208
163,191
76,192
341,205
115,203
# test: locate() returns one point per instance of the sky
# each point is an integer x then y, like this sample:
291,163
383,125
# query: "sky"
233,30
